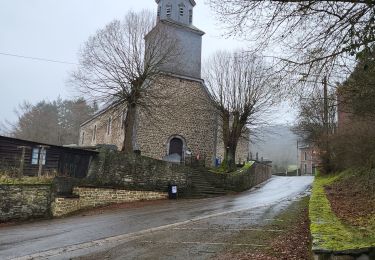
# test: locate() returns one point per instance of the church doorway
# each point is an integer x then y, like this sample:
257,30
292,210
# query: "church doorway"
176,146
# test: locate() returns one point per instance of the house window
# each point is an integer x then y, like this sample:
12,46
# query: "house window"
109,125
305,156
83,137
169,10
94,133
38,155
190,16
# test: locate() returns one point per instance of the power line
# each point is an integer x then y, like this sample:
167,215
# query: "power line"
36,58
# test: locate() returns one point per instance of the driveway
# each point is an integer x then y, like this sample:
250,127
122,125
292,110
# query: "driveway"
173,229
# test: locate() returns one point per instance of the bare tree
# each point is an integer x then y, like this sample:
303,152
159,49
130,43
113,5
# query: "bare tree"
116,66
311,121
316,123
357,93
311,39
243,91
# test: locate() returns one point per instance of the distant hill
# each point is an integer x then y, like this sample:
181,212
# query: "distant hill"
276,143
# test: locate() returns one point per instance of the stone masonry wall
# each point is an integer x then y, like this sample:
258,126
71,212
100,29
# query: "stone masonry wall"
241,180
134,172
185,110
87,197
115,135
114,169
247,179
64,206
21,202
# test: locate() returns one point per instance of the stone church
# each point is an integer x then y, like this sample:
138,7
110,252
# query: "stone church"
189,126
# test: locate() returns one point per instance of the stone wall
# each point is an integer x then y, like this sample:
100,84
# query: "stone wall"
88,197
134,172
184,110
241,180
95,131
246,179
21,202
114,169
64,206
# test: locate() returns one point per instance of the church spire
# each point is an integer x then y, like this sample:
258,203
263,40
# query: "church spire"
180,11
176,19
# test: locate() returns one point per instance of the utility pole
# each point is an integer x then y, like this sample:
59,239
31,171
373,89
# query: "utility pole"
325,116
297,158
326,160
22,160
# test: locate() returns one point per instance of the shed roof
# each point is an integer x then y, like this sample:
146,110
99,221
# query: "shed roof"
33,143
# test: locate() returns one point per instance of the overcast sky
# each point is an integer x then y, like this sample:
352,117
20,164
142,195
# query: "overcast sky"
55,30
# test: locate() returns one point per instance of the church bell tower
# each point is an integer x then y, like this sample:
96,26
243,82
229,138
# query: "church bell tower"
177,17
176,10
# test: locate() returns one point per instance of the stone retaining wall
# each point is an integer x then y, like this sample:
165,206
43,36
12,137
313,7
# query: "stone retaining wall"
134,172
64,206
241,180
247,179
88,197
21,202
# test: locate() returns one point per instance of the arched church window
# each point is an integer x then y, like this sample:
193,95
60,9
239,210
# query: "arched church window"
83,138
169,9
109,125
94,133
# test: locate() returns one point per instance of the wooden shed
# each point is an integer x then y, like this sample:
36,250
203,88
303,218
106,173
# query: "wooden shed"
31,158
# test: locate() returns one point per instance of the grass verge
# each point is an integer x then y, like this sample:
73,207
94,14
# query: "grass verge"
5,180
329,232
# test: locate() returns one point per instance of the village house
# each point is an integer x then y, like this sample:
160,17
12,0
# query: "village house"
189,126
309,159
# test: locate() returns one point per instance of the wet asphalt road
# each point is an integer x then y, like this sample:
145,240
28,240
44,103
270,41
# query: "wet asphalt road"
190,229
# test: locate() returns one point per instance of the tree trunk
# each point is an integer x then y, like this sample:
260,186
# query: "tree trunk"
129,128
230,157
231,135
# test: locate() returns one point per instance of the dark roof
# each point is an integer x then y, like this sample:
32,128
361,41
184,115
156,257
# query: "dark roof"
33,143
